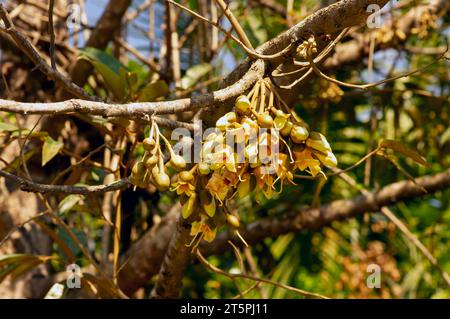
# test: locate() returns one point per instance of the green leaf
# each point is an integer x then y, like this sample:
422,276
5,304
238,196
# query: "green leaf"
15,265
402,149
110,70
69,202
50,149
7,127
14,165
194,74
97,55
152,91
80,235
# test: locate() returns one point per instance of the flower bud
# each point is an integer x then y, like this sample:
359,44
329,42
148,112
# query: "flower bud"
280,122
328,160
185,176
287,128
225,120
265,120
208,203
148,144
318,142
204,168
233,221
139,170
178,161
151,161
243,105
162,181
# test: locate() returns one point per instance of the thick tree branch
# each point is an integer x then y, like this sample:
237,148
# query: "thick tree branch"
139,109
176,259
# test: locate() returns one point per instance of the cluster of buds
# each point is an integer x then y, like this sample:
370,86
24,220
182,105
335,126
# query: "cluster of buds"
259,146
152,168
426,21
307,48
329,91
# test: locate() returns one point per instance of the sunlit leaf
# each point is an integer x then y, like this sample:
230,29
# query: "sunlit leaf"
7,127
109,68
50,149
152,91
194,74
69,202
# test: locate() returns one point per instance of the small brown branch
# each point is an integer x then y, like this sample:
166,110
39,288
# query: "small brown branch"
30,186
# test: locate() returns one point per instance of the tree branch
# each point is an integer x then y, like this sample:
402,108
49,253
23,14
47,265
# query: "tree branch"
30,186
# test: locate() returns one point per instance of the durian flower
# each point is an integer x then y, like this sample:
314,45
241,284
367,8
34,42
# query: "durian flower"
202,227
305,161
218,186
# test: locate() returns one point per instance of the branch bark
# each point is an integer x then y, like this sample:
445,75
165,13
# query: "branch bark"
27,185
176,260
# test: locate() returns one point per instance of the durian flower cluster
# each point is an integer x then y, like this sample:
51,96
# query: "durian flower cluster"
258,147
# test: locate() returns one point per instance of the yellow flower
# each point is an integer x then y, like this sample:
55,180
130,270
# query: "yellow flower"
218,186
201,227
305,161
185,184
283,170
264,180
182,187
